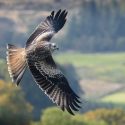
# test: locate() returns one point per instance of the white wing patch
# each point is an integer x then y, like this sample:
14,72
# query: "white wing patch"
41,36
47,69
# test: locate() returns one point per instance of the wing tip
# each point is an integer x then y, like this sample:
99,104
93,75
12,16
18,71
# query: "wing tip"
59,12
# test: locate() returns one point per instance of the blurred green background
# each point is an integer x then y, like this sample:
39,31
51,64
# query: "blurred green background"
92,55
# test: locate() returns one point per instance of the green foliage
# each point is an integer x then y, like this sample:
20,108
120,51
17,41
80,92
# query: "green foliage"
53,116
13,107
80,117
110,116
36,123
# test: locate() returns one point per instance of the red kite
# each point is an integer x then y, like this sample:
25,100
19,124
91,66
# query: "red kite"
37,56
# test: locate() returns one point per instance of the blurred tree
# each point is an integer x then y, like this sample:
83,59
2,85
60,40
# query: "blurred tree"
54,116
14,110
110,116
80,117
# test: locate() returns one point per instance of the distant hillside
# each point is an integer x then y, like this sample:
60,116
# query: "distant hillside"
50,4
38,4
92,26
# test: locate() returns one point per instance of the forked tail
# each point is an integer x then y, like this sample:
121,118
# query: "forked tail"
16,60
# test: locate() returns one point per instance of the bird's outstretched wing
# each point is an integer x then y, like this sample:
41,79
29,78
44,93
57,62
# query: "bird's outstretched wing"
54,84
45,30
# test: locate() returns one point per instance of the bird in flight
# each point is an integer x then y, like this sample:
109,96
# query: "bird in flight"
37,56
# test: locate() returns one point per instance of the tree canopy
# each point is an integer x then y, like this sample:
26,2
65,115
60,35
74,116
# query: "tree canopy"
14,109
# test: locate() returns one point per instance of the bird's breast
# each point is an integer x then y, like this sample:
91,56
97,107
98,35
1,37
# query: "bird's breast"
37,53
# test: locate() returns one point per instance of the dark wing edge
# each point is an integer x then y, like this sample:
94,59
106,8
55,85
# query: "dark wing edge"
57,20
54,22
61,94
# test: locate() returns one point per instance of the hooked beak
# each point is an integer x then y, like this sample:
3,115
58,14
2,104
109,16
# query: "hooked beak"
57,48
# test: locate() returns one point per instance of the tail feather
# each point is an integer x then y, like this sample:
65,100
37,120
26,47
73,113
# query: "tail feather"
16,61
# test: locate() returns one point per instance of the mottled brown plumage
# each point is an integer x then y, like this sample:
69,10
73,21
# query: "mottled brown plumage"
37,56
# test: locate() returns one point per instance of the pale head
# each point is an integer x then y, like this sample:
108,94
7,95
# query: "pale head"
50,46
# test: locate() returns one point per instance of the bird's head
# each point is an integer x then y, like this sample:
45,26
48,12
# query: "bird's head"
53,47
50,46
